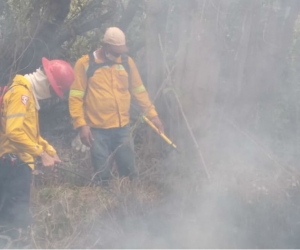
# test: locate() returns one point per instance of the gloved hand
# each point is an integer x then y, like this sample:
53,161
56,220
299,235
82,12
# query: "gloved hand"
78,145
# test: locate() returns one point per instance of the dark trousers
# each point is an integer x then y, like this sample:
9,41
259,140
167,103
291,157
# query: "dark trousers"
113,143
15,182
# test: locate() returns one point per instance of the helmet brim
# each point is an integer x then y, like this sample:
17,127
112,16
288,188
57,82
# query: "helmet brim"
53,83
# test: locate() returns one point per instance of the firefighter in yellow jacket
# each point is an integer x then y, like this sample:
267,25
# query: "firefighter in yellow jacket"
21,141
99,104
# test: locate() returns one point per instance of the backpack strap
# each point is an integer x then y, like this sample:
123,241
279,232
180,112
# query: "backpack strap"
93,66
90,72
125,63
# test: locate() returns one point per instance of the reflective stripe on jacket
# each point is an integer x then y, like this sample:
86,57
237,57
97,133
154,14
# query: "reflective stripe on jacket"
19,128
106,102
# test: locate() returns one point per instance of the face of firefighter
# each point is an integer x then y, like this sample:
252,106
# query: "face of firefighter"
110,53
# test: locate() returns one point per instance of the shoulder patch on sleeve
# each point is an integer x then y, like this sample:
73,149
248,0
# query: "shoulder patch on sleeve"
24,99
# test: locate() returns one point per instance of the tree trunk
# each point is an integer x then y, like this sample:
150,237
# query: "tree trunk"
155,26
266,62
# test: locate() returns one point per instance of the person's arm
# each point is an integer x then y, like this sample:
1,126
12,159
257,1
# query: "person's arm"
49,157
76,103
47,147
77,93
140,94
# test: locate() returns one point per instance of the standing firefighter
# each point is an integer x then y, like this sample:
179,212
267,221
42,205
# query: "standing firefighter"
99,103
21,142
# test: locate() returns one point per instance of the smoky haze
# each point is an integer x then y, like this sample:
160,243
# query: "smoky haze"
224,77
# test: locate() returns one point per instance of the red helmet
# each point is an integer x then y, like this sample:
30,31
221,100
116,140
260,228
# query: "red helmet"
60,75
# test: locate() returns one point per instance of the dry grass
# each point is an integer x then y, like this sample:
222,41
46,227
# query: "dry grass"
165,208
250,202
68,216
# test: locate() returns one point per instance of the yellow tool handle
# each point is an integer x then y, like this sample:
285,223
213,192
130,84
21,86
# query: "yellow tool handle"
162,135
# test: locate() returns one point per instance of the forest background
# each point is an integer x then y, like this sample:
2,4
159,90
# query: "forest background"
224,76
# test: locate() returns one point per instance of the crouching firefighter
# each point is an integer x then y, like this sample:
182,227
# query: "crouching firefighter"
21,143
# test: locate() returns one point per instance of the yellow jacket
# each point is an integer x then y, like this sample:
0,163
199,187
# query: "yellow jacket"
106,102
19,128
